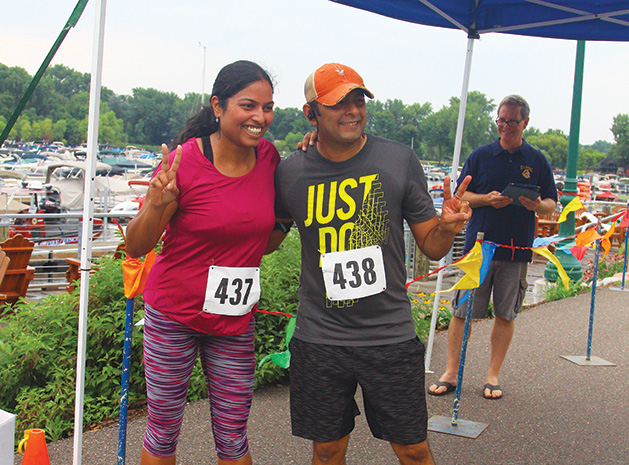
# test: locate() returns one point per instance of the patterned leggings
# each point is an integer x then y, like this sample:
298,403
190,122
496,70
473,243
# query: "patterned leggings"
170,351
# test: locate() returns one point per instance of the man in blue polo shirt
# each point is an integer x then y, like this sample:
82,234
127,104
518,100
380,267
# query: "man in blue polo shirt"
509,159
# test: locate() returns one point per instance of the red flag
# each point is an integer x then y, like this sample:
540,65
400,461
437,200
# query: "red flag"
624,221
578,252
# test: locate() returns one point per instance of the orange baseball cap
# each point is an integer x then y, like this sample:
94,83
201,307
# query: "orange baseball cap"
330,83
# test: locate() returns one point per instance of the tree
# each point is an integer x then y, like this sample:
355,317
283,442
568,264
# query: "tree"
530,131
438,141
59,131
589,159
289,120
602,146
620,129
66,81
110,129
23,128
479,127
554,144
13,83
155,116
289,145
42,129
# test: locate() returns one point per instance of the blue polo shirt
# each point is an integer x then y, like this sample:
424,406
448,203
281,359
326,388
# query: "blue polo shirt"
492,168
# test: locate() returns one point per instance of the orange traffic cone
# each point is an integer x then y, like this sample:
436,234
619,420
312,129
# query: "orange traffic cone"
35,452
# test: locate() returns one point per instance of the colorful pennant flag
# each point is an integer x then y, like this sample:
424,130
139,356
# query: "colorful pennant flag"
135,272
543,241
578,252
475,265
605,242
544,252
587,237
574,205
282,359
624,220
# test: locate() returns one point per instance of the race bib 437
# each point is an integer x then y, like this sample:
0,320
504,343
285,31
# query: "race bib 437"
231,290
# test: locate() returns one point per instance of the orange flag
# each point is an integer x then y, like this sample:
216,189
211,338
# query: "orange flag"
587,237
605,242
134,274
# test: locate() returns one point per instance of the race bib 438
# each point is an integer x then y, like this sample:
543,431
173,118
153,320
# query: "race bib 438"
353,274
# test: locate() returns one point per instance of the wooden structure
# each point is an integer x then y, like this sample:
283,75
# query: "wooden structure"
74,267
18,274
73,273
546,225
4,264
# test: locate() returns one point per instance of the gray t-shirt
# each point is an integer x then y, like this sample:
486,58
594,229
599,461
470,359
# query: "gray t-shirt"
348,205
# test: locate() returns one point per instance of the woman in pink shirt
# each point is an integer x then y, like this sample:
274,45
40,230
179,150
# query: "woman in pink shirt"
212,198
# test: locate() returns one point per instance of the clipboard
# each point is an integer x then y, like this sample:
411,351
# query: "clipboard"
514,191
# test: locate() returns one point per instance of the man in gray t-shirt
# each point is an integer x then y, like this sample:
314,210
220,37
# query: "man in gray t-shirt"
349,195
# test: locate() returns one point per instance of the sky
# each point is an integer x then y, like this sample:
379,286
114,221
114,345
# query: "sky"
161,44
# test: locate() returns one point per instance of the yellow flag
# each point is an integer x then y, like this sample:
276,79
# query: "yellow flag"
544,252
470,265
574,205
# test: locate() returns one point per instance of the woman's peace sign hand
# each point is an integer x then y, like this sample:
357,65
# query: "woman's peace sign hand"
163,187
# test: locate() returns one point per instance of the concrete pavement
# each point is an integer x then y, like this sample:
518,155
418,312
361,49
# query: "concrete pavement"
553,411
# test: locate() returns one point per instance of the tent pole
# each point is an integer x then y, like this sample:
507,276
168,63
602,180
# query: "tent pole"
456,156
88,221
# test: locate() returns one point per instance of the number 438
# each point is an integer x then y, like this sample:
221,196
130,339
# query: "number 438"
357,273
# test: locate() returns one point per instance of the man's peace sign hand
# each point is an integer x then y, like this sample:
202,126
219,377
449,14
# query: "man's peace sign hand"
455,211
163,187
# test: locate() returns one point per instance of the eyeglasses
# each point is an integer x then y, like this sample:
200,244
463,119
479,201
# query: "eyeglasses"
512,123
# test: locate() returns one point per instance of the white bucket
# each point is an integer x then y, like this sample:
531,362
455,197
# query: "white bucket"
7,437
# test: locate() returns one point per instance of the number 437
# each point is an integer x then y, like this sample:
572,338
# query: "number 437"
233,291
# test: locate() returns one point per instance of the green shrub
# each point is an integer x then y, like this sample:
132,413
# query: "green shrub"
279,275
38,347
607,267
557,291
421,309
38,356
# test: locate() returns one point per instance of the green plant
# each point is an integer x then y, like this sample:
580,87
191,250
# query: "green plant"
38,356
557,291
279,277
421,309
38,347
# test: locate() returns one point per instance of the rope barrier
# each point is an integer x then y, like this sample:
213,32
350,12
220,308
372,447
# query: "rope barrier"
275,313
513,248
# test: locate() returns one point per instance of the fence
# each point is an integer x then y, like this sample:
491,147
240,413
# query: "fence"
50,253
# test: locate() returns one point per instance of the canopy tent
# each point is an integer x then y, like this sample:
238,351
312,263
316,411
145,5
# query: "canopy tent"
564,19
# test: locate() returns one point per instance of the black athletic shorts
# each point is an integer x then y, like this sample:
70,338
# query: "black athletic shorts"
323,381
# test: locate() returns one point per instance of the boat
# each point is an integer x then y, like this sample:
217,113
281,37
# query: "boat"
45,230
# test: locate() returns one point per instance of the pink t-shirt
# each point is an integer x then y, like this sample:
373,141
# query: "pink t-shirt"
221,220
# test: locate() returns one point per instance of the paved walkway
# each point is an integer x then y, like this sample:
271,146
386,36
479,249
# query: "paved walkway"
553,411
